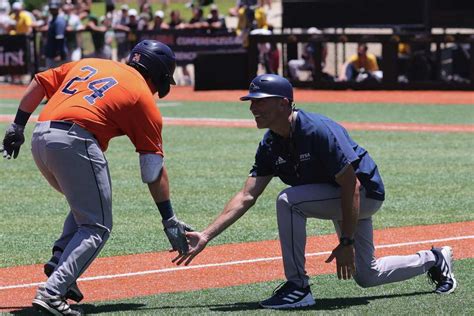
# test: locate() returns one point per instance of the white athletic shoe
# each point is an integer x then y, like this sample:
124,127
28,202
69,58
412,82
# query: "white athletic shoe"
441,274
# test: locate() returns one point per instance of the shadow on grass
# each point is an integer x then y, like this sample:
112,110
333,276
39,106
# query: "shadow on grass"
321,304
86,308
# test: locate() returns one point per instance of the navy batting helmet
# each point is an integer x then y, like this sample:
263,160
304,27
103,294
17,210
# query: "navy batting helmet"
158,61
267,86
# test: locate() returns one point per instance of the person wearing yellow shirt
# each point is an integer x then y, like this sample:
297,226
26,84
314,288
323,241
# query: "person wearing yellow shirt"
23,20
362,62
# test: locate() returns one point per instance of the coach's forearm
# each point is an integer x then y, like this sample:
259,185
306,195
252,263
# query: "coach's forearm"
350,200
234,209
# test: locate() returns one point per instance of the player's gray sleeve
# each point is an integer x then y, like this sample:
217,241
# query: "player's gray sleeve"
150,167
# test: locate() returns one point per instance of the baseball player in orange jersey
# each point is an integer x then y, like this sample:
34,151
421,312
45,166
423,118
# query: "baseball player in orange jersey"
89,102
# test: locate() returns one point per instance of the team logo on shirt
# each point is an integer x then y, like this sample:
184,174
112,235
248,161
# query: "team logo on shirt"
305,156
136,57
280,161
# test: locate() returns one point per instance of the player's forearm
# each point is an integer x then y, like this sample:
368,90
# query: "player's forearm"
31,99
160,189
234,209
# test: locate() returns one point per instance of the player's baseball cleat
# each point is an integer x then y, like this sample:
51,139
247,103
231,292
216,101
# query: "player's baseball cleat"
73,293
53,304
441,274
289,295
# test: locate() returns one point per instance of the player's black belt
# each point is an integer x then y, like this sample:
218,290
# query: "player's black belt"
64,125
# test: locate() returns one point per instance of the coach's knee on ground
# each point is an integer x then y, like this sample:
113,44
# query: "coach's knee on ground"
366,277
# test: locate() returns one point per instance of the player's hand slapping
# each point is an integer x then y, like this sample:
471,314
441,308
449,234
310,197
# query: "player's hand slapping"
176,230
345,264
197,241
12,141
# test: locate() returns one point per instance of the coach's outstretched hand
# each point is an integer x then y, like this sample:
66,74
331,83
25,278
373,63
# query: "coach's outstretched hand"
197,242
345,262
176,230
12,141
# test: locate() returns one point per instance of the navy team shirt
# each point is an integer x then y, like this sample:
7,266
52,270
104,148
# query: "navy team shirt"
317,150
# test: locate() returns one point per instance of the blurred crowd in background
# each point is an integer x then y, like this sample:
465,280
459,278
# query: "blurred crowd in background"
68,28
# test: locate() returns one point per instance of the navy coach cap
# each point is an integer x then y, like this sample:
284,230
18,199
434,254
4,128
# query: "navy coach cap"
268,86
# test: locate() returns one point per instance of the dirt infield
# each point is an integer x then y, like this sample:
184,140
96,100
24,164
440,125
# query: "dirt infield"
221,266
186,93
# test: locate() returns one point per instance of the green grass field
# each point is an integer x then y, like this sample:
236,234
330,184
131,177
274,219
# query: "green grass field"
428,178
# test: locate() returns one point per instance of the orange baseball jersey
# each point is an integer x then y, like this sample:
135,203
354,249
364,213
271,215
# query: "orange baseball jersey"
106,98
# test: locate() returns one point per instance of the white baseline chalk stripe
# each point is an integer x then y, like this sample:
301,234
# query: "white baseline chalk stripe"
230,263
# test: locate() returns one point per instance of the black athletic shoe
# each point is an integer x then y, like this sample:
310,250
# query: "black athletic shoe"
287,296
441,274
73,292
53,304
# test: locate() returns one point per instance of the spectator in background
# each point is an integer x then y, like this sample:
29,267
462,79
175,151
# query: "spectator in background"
261,20
120,26
240,4
251,16
143,22
109,6
84,10
5,4
268,55
361,67
6,22
23,25
41,18
306,62
175,20
41,26
108,35
73,37
214,20
102,36
158,22
23,20
177,23
146,9
273,55
55,49
197,20
132,27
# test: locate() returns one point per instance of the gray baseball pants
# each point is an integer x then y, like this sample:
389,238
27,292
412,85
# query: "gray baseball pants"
71,160
295,204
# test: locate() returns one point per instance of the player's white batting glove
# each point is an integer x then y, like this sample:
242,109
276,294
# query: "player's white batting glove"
12,141
176,230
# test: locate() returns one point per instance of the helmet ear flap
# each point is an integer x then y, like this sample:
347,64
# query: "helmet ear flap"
162,83
163,86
